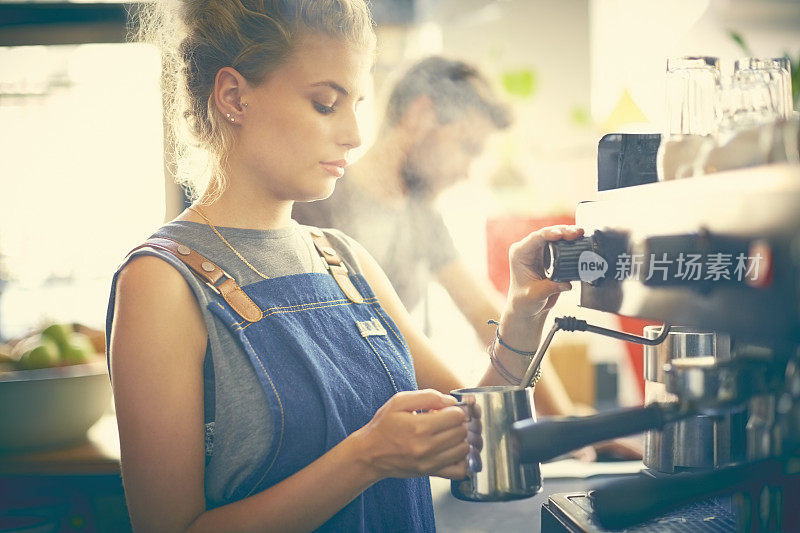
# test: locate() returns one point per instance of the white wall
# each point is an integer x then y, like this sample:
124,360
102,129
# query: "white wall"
632,39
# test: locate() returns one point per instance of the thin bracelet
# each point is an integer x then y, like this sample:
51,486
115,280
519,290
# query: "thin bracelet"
503,371
529,355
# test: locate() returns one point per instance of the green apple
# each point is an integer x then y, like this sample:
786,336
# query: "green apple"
58,333
78,349
43,355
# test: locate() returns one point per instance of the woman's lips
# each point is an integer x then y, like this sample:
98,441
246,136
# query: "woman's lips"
336,168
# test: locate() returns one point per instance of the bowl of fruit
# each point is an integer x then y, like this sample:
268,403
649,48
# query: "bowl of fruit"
53,387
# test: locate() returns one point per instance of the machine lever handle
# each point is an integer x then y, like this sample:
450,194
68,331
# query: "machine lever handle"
541,441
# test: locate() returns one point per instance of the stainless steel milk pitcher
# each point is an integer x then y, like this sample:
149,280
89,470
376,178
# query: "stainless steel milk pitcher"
494,472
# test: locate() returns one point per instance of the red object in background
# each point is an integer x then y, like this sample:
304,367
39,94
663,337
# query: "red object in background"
503,232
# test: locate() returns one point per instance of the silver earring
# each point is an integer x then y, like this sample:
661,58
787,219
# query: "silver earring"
244,104
228,116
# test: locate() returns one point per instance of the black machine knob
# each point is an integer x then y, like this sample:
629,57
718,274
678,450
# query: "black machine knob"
561,258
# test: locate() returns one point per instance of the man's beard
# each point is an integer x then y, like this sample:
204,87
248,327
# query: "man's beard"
414,180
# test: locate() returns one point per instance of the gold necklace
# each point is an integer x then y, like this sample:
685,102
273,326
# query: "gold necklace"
245,261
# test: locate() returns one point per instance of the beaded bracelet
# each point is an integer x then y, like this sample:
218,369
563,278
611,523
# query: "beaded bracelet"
529,355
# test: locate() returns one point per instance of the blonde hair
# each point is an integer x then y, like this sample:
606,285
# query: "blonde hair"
199,37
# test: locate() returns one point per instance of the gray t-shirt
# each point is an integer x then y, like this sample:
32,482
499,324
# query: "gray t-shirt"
409,243
239,438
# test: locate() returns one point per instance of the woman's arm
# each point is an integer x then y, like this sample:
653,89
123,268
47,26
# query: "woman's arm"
157,344
529,300
479,302
397,443
431,371
530,297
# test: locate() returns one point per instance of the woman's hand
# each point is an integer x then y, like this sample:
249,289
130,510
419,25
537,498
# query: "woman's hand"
530,292
402,442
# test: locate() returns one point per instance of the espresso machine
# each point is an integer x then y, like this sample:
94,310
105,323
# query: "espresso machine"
716,259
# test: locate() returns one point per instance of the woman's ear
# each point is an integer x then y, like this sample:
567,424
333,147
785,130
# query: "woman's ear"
229,86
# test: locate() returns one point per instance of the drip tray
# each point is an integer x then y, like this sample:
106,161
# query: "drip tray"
573,513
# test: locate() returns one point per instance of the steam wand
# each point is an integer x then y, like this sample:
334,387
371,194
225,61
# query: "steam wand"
570,323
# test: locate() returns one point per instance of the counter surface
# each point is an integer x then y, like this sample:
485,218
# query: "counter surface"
98,455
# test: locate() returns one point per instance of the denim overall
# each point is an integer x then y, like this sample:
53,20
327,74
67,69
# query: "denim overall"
327,361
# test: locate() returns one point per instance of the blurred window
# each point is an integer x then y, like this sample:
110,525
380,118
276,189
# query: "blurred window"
81,173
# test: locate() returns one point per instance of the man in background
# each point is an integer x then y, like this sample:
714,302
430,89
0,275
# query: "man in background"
439,116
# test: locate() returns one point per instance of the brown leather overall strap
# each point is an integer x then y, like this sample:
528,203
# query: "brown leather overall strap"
335,265
217,279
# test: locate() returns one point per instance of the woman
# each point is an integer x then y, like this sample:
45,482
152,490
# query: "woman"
297,359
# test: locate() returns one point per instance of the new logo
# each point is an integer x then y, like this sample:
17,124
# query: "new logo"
591,266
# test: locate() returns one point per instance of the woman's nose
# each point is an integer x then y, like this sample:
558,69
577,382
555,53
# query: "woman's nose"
350,133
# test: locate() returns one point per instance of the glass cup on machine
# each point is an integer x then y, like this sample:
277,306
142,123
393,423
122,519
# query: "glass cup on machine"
692,105
756,118
774,78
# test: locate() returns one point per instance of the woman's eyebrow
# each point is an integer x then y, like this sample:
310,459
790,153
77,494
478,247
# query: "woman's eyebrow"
335,86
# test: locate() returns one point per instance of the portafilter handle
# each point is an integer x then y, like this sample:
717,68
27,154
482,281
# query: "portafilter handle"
541,441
